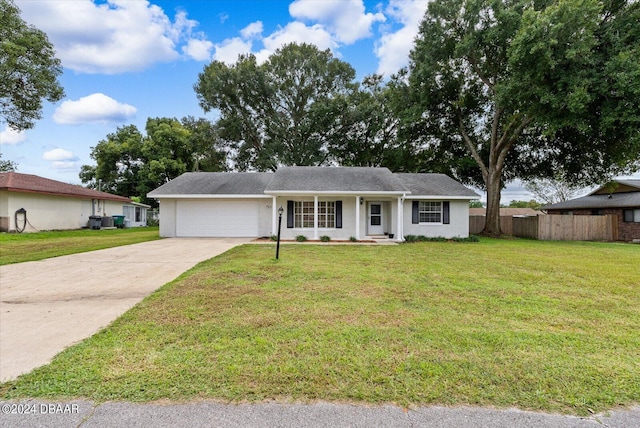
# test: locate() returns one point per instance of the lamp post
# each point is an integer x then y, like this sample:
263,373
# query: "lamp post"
280,211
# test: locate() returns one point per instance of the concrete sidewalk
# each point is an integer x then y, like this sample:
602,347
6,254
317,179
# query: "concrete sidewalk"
47,305
87,414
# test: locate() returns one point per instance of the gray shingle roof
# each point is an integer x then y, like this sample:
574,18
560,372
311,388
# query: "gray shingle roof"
305,180
617,200
435,185
215,183
334,179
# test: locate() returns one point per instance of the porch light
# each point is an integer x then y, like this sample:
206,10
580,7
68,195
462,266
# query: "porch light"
361,201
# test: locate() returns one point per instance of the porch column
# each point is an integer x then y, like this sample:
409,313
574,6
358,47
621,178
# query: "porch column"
358,218
400,215
315,217
274,216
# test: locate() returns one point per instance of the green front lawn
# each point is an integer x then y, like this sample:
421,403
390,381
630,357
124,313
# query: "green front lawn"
25,247
537,325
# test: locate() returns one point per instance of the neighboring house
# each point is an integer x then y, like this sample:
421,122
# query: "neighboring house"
339,202
135,214
50,204
620,198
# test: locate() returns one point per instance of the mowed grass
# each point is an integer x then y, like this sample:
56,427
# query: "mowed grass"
25,247
545,326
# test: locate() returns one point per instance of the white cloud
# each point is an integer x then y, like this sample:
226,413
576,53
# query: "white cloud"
345,19
59,154
11,137
393,48
252,30
296,32
94,108
61,159
200,50
115,37
229,49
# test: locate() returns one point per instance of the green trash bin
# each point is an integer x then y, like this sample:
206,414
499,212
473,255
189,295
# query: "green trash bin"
118,221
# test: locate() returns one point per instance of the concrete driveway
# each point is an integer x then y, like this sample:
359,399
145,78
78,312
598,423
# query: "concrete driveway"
47,305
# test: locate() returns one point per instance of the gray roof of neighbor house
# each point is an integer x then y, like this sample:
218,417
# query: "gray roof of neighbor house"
626,194
434,185
215,183
309,180
28,183
615,200
334,179
620,186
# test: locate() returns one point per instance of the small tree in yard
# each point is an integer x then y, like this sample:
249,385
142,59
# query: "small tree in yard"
529,89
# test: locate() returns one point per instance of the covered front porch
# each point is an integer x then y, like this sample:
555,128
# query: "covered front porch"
339,216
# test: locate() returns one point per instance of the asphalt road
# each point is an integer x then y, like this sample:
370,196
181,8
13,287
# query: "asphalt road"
87,414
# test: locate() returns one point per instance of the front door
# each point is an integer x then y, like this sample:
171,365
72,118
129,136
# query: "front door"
375,218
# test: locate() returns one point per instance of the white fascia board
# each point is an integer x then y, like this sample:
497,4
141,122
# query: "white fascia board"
335,193
203,196
442,198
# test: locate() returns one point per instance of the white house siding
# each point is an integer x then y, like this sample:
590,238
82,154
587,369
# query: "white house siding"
45,212
458,227
4,211
348,229
168,218
218,217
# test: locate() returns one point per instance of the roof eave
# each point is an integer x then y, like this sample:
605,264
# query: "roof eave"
208,196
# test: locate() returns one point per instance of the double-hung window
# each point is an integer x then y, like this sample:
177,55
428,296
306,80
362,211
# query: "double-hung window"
326,214
302,214
430,212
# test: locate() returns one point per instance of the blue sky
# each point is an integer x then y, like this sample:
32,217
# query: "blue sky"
127,60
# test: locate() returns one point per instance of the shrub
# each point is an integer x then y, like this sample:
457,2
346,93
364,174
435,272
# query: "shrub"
274,237
353,239
422,238
301,238
325,238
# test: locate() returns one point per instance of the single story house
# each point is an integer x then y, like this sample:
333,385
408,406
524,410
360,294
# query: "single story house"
135,214
620,198
43,204
339,202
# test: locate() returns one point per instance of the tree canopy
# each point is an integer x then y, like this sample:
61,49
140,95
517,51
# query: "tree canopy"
29,69
287,111
7,165
527,89
129,163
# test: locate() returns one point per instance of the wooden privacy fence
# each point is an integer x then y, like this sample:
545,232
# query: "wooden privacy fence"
555,227
476,224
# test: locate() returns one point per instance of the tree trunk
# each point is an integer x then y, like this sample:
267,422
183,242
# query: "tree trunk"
492,219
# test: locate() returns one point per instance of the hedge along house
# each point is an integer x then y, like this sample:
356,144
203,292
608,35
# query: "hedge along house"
42,204
339,202
620,198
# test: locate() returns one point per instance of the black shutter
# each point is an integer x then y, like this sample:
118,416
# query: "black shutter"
338,214
445,213
289,214
415,215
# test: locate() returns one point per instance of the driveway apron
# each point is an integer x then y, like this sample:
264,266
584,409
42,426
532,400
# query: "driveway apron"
48,305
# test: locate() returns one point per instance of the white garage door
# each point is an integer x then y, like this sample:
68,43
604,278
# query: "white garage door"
227,218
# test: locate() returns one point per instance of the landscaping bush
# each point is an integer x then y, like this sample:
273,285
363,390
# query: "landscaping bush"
325,238
421,238
301,238
353,239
